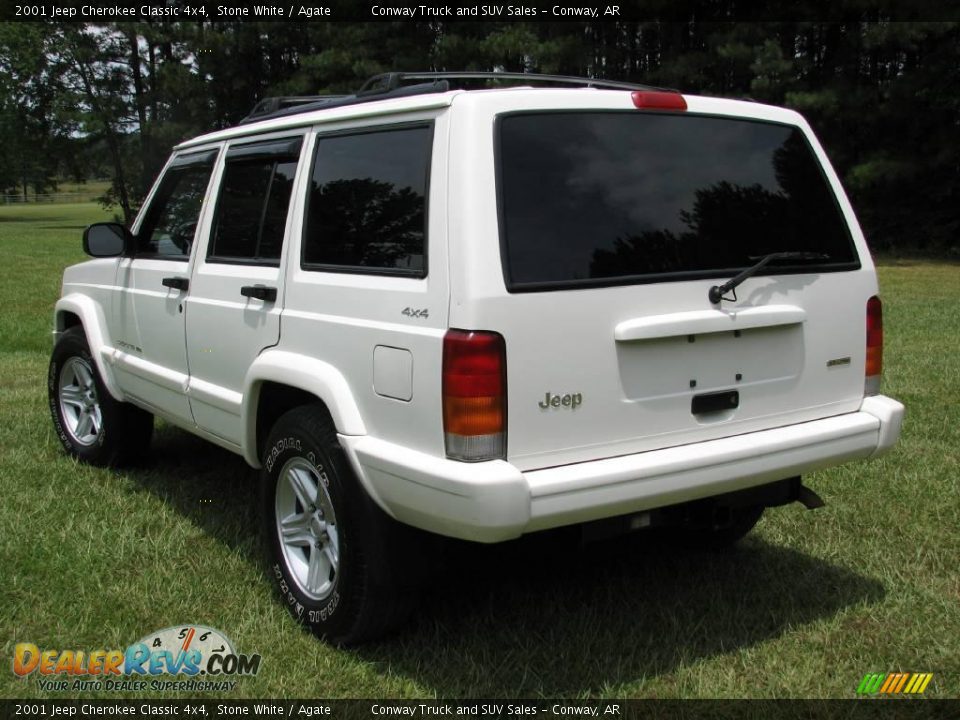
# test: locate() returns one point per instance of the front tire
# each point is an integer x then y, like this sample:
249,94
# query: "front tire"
91,425
342,566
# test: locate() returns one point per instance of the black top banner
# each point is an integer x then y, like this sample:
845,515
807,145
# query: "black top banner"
460,11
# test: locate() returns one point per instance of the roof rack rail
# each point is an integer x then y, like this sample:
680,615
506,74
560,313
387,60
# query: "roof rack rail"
389,85
392,80
272,104
323,102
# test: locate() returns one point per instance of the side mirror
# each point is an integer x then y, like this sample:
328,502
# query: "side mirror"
106,239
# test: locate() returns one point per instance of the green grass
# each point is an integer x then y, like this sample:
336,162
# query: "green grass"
805,607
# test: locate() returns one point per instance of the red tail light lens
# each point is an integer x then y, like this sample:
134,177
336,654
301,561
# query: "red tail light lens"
658,100
874,364
474,395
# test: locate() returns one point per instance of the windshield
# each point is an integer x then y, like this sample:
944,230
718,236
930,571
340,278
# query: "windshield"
601,198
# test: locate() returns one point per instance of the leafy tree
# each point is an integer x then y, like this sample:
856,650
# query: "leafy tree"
29,135
882,95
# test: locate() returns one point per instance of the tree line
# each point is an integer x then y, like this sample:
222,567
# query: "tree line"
109,100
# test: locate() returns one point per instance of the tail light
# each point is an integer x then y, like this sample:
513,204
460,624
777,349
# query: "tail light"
474,395
874,365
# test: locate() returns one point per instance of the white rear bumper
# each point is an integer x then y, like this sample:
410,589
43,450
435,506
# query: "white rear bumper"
494,501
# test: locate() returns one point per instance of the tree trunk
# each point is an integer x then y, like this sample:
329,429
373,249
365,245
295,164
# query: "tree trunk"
119,182
140,101
152,66
113,144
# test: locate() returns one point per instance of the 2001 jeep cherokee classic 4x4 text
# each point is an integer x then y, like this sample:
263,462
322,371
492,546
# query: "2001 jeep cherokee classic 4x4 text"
483,313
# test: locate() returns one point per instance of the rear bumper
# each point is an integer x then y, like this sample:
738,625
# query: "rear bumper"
494,501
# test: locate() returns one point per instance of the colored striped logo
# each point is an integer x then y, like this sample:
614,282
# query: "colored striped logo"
894,683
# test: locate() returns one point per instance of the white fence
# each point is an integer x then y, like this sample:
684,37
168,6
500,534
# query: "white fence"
65,197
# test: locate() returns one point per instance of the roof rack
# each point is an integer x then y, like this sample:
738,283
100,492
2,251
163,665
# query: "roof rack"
272,104
390,81
389,85
324,102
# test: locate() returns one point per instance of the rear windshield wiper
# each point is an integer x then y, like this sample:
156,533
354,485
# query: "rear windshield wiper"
717,292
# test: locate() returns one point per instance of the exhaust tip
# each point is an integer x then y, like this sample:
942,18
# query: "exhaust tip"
810,500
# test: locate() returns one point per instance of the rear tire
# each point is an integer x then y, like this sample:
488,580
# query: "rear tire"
342,566
91,425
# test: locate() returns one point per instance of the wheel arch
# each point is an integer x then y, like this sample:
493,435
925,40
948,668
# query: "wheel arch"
79,310
64,320
278,381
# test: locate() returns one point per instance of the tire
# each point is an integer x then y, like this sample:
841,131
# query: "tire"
342,566
91,425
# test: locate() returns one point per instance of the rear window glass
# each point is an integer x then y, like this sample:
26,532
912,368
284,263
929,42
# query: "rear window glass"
366,211
615,198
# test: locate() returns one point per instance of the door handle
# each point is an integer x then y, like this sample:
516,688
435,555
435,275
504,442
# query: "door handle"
260,292
177,283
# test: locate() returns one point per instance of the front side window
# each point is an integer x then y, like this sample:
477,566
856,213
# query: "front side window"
612,198
171,220
254,198
367,203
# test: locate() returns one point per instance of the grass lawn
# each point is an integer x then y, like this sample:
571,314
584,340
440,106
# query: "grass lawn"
809,603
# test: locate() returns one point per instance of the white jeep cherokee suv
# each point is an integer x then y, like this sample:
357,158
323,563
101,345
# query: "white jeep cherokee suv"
483,313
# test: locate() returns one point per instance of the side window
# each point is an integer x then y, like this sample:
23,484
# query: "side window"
254,198
171,220
367,204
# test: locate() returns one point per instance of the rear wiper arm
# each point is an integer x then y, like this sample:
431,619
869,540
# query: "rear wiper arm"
717,292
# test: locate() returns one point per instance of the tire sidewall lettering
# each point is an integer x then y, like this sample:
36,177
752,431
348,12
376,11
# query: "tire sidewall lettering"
322,615
287,443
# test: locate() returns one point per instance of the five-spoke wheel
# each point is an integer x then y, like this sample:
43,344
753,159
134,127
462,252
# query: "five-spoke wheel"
79,404
307,525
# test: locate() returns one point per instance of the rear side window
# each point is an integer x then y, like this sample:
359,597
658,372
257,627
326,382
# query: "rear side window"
252,205
615,198
171,220
367,209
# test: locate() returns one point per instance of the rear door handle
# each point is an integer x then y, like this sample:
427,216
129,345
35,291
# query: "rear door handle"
260,292
177,283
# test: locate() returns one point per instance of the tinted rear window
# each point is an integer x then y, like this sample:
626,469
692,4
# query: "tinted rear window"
614,198
367,209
